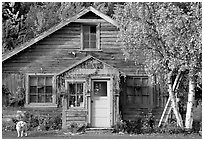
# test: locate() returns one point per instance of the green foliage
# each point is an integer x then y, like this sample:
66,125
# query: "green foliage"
161,36
23,21
17,99
141,125
5,90
170,128
75,127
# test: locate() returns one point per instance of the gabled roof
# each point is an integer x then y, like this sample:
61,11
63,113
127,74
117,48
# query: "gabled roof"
57,27
84,60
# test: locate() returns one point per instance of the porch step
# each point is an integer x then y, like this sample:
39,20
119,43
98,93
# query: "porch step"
99,130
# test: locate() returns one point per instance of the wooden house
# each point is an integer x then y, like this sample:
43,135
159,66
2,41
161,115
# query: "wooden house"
80,63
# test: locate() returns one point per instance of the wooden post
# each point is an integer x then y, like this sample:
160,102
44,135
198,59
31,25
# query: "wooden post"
64,112
173,101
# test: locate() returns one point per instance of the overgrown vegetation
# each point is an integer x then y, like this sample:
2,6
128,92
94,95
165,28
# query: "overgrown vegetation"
11,99
75,127
146,125
36,122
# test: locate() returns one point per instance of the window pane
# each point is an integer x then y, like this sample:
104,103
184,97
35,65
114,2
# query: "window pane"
86,36
130,82
145,81
48,81
41,90
33,98
72,89
130,90
33,81
92,44
145,91
33,89
48,89
80,88
93,29
41,81
93,37
138,91
137,81
72,101
86,29
100,88
48,98
80,101
86,44
41,98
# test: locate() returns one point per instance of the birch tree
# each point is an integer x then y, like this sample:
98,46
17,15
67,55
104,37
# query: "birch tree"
168,36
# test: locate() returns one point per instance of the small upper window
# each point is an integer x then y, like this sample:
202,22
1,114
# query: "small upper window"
89,39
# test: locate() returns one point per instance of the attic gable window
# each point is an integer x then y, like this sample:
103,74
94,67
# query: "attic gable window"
90,37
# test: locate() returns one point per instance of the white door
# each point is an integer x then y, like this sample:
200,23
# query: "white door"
100,103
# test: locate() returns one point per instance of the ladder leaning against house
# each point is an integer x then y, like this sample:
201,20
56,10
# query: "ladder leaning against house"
168,106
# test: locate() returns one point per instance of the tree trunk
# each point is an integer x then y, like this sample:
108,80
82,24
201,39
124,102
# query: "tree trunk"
190,103
173,100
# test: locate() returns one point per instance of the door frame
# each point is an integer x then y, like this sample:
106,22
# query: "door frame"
108,80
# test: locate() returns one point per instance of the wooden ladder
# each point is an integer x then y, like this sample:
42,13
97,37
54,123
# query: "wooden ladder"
168,106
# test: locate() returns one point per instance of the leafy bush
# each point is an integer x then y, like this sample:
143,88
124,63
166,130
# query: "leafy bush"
146,124
5,95
8,127
120,126
40,122
77,127
18,99
170,128
197,118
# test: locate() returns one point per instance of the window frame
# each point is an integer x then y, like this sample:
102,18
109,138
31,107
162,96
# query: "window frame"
71,81
134,86
98,48
33,104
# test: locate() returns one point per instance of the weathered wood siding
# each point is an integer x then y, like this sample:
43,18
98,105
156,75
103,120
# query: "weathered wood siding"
87,72
13,81
54,53
78,116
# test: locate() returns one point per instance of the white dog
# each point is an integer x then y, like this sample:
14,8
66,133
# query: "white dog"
21,128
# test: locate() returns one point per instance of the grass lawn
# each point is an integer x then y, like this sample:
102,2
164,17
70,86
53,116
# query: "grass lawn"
95,135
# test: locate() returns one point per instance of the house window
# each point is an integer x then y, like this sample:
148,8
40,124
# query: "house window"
40,89
76,94
90,36
138,92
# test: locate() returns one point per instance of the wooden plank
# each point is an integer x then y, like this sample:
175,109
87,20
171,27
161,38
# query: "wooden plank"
76,113
80,118
68,43
90,20
109,32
